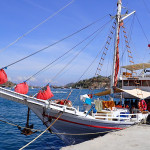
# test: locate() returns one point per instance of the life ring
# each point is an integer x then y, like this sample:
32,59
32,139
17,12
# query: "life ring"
144,105
140,106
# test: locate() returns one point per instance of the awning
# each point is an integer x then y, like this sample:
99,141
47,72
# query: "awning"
137,66
134,92
137,93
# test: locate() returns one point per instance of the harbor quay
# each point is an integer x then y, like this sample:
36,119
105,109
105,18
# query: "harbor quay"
136,137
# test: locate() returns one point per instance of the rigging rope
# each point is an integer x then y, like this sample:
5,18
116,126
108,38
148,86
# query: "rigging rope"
128,47
106,47
148,10
131,28
144,35
99,30
92,62
142,29
72,60
76,57
66,52
51,16
87,70
128,38
130,56
105,50
55,42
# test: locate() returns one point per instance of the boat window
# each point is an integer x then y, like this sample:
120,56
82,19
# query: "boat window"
134,83
137,83
131,83
125,82
145,83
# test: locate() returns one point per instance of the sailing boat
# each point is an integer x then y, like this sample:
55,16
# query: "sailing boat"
74,126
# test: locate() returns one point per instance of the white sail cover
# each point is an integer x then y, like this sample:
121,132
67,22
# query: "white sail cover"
83,97
137,93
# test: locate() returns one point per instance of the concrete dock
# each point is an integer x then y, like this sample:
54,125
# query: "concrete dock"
134,138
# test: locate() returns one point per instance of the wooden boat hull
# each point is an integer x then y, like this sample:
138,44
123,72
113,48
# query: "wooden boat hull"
73,126
73,129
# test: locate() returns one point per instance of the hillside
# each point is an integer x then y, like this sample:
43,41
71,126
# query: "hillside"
8,84
95,82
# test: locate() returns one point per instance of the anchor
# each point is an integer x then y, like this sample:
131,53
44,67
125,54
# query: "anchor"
28,129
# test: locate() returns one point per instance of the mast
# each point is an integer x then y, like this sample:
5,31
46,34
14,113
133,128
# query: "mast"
118,18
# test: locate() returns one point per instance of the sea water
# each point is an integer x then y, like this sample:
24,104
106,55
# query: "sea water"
12,139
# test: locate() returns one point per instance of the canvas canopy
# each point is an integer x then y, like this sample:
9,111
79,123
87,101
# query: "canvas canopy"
134,92
137,66
138,93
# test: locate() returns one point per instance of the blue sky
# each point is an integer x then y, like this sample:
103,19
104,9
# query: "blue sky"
19,16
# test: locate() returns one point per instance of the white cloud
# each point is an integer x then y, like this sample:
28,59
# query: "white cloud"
46,81
33,79
18,79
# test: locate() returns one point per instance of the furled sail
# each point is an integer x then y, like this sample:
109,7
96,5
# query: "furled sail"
107,92
45,93
117,61
3,77
22,88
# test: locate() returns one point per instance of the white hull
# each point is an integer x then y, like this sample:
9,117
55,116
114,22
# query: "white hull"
71,122
76,124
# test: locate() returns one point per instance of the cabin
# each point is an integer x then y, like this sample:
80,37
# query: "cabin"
135,76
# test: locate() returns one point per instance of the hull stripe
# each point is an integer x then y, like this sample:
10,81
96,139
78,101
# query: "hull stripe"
113,128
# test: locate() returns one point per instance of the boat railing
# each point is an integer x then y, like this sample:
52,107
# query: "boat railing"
25,99
119,117
62,107
8,92
21,98
134,76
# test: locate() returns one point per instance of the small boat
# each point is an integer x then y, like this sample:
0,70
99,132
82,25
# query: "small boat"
99,117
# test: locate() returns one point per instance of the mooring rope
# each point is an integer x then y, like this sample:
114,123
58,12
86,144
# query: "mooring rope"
41,133
19,127
37,130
